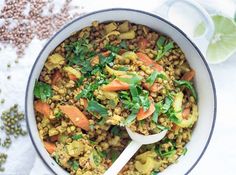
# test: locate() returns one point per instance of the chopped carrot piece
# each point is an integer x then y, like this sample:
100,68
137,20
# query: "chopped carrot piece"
115,85
188,76
56,77
154,88
76,116
149,62
142,43
50,147
144,114
43,108
72,77
186,113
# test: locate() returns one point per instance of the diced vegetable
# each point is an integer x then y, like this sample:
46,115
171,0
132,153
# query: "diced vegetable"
112,33
124,27
72,71
149,62
75,148
127,35
76,116
115,85
114,72
54,61
192,118
43,108
130,55
188,76
50,147
110,27
144,114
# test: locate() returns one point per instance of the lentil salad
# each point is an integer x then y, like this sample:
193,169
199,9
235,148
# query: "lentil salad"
108,76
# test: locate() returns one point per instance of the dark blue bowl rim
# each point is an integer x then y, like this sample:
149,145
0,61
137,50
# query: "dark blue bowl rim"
133,10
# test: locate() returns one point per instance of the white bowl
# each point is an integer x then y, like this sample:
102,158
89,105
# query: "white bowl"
204,83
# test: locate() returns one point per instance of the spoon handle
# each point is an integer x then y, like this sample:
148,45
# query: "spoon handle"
124,157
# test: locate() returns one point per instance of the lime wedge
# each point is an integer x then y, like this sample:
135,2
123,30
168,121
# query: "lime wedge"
223,42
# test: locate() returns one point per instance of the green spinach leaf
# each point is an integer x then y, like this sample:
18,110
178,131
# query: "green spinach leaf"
189,86
42,90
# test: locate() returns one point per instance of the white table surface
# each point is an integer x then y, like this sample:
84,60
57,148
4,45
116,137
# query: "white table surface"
220,157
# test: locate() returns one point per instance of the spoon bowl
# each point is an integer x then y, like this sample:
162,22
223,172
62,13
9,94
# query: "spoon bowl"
137,141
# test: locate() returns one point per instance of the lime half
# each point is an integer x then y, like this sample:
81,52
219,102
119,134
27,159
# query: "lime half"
223,42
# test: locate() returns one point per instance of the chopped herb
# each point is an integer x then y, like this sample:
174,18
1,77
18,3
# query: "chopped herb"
42,90
123,68
115,130
168,102
161,127
95,107
58,114
133,80
133,114
96,158
77,136
163,47
123,45
154,173
134,94
164,153
172,116
144,99
112,48
102,154
151,79
114,155
75,165
79,82
92,142
158,107
188,85
184,151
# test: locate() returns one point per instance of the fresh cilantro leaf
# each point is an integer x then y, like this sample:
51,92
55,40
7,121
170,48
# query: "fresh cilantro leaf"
167,105
42,90
75,165
134,94
164,153
77,136
163,47
115,130
151,79
144,100
95,107
158,107
102,154
162,127
58,114
133,80
123,68
133,114
154,173
172,116
112,48
79,82
189,86
123,45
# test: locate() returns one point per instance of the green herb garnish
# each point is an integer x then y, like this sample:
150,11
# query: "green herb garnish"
189,86
42,90
167,104
163,47
95,107
115,130
75,165
158,107
77,136
184,151
133,80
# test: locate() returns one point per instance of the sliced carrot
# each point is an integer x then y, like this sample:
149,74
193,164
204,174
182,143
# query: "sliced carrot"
149,62
50,147
142,43
95,60
85,102
115,85
54,138
144,114
72,77
186,113
56,77
76,116
43,108
154,88
188,76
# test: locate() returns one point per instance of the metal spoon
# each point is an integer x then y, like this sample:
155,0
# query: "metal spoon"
137,141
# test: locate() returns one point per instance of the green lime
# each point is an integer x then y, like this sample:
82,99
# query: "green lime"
223,42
